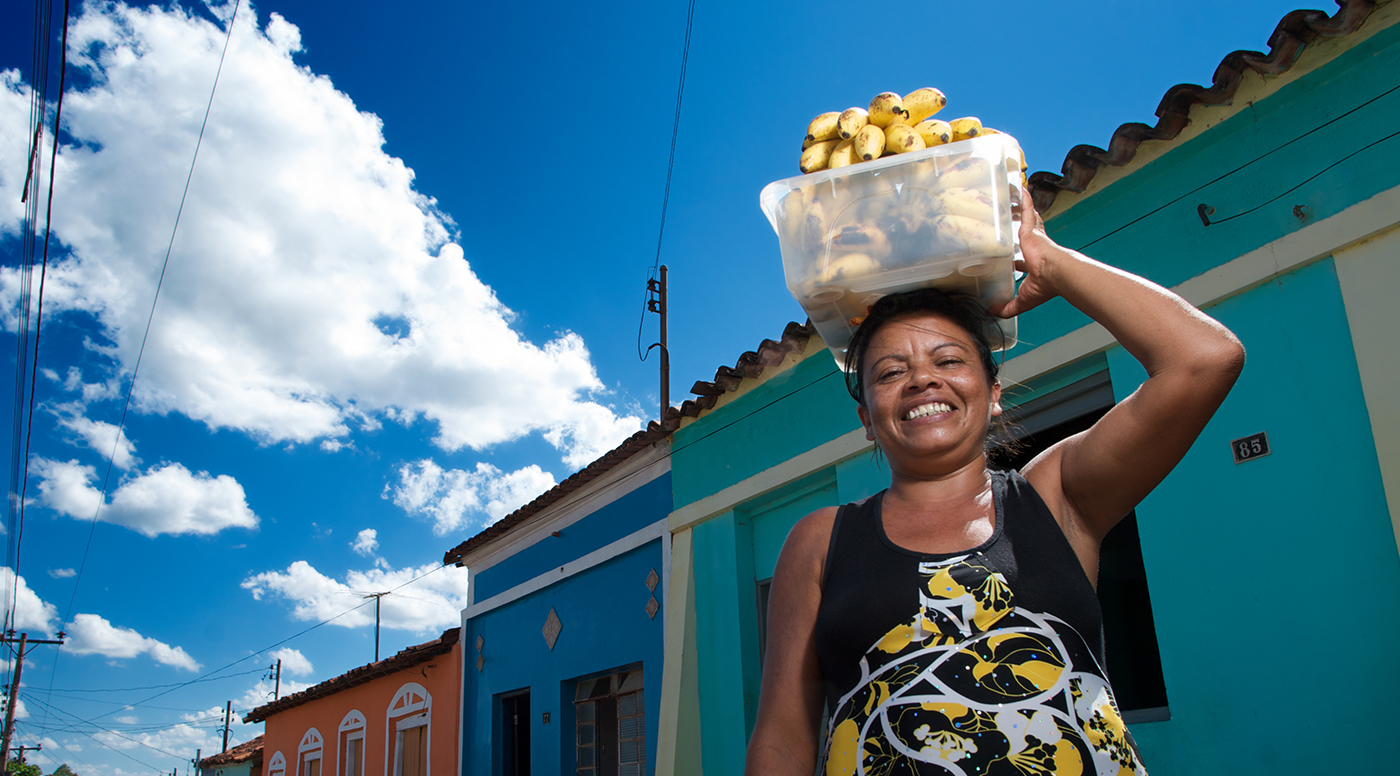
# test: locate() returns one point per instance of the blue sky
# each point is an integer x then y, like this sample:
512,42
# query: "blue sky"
405,293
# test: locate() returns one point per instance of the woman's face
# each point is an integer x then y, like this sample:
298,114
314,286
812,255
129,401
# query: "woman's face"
928,401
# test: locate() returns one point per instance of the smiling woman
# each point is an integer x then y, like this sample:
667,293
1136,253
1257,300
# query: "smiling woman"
950,622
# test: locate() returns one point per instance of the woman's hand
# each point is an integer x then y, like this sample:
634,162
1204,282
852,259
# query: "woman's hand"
1039,254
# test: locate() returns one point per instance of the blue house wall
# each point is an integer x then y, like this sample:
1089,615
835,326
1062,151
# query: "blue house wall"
605,627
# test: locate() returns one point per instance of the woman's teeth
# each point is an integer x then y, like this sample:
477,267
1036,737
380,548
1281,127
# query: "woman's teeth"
927,409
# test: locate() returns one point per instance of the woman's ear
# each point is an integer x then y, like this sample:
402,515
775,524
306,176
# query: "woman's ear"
996,398
865,421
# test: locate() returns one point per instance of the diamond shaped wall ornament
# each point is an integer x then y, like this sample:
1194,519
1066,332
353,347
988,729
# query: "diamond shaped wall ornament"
480,661
480,642
652,580
552,626
652,606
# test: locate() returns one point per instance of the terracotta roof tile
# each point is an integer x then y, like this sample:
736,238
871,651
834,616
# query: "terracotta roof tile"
405,658
751,364
248,750
1294,32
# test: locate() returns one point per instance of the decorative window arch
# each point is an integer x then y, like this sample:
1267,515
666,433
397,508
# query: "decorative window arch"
309,753
277,766
407,731
350,751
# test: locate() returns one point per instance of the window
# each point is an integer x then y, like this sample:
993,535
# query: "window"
1130,634
409,730
610,722
352,744
515,734
309,753
277,765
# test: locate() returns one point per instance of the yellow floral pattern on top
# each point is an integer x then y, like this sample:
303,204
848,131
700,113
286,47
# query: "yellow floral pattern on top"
974,686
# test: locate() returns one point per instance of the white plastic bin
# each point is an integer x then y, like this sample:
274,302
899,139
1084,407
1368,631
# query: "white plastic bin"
940,217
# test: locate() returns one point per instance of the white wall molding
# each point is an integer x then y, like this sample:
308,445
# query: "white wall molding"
601,555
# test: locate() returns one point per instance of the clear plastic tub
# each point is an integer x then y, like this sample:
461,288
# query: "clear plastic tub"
940,217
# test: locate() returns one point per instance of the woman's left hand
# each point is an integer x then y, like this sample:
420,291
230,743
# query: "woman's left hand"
1038,255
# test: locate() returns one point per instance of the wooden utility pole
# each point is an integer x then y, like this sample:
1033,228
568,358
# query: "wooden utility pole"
658,306
24,643
277,682
376,597
228,712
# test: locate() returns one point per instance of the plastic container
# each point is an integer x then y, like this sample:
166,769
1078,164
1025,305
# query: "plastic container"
940,217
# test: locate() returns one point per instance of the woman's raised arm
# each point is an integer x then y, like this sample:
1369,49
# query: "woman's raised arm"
1191,361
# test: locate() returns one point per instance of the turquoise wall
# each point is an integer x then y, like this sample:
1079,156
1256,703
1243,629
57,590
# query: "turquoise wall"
1274,581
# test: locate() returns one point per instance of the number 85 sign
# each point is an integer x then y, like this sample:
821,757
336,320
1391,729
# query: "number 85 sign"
1250,447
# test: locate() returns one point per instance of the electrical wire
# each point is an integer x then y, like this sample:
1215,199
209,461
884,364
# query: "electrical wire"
1313,130
670,167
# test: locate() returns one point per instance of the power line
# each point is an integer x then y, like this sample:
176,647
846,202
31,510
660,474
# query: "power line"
670,166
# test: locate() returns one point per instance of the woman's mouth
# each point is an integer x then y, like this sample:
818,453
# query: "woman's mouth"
932,408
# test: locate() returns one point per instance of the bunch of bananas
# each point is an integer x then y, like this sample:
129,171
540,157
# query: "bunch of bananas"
891,125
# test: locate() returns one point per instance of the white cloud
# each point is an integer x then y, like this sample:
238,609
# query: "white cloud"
312,289
450,497
90,634
168,499
433,603
31,612
366,542
293,662
130,719
62,573
102,437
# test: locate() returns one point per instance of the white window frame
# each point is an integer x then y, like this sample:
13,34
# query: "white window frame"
351,728
277,765
312,747
414,709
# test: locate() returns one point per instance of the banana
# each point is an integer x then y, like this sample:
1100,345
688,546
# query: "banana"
805,218
886,109
901,139
969,235
822,128
922,103
849,122
869,142
966,127
817,156
969,203
990,131
863,238
934,132
847,268
969,173
842,155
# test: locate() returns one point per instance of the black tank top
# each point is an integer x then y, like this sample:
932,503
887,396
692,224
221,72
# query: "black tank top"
985,661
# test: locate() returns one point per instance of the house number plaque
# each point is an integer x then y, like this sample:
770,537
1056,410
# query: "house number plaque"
1250,447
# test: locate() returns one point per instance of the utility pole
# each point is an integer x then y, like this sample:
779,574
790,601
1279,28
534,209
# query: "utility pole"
23,749
24,642
277,682
228,712
657,304
376,597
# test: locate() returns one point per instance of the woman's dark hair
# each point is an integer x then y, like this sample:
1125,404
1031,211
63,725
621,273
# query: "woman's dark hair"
964,310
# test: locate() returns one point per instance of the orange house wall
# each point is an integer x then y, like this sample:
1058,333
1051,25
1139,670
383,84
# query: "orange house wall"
440,676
